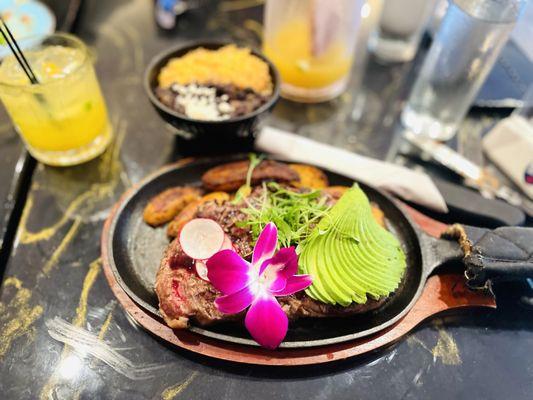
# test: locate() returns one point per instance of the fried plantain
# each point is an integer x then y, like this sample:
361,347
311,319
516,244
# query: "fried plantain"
310,177
231,176
167,204
335,192
189,211
378,214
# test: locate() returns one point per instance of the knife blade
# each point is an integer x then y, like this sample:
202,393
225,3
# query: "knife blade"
475,176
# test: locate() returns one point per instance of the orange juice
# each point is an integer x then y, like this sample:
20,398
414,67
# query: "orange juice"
290,49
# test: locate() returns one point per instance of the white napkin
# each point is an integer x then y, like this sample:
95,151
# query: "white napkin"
414,186
509,144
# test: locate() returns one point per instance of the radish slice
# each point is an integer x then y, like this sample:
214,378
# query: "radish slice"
201,270
201,238
201,266
227,244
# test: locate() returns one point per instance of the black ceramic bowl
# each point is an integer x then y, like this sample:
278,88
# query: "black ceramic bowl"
208,137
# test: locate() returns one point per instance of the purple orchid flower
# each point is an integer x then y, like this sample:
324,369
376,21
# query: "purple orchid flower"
257,284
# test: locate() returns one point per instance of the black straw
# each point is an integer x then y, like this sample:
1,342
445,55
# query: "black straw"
17,52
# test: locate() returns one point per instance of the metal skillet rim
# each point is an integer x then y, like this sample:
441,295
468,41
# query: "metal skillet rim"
130,193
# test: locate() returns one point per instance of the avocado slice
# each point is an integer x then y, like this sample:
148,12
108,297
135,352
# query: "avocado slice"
350,256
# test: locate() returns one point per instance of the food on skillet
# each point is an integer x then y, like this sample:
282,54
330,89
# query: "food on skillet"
163,207
362,257
189,211
232,176
336,258
215,85
309,177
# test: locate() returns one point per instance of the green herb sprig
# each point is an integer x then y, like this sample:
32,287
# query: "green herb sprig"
295,214
246,189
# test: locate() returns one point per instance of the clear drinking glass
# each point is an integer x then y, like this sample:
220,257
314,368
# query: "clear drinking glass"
63,120
463,52
400,29
312,42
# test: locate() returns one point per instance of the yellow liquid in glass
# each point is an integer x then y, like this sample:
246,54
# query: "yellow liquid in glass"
63,120
290,49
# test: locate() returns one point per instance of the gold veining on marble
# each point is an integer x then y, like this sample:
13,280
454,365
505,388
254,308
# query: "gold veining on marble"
27,237
446,348
105,325
88,282
78,320
171,392
17,316
52,261
412,341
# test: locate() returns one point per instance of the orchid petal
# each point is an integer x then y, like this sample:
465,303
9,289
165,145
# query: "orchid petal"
265,246
295,284
286,259
236,302
228,272
279,268
266,321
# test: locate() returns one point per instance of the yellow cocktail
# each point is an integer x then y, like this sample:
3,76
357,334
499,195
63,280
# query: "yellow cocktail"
290,49
311,42
63,119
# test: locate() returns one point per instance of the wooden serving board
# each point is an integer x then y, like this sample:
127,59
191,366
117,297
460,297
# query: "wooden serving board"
441,293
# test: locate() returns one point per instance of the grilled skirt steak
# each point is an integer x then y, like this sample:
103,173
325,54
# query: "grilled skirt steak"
183,296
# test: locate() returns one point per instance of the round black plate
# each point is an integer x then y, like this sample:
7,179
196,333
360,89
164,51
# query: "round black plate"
135,250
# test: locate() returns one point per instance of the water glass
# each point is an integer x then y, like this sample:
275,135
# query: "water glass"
463,52
400,29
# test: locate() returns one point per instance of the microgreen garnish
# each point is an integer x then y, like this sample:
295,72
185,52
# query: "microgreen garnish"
246,189
294,213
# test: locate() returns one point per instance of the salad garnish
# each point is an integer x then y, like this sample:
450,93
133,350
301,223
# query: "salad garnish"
294,213
246,189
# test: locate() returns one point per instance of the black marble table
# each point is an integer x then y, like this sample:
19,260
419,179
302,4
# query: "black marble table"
53,267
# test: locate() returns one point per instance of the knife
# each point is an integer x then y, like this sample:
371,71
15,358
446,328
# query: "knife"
474,176
469,207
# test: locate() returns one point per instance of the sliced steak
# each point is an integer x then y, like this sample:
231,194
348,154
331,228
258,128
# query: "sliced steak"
183,296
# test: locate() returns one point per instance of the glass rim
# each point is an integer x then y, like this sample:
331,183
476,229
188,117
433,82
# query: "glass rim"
41,40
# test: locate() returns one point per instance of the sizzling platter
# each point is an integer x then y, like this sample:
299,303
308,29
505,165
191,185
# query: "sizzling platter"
135,250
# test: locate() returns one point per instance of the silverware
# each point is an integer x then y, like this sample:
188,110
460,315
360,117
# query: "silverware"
475,176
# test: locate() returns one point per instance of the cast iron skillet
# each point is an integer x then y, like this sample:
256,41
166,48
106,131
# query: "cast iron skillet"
134,250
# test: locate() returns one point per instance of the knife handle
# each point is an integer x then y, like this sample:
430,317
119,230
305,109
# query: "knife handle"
469,207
